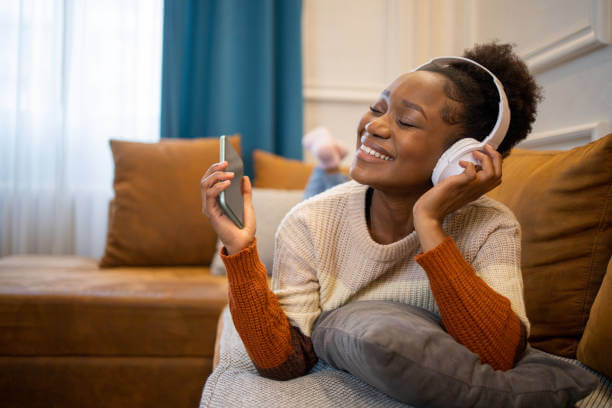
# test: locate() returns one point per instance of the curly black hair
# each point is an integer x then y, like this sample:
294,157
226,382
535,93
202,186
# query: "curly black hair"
477,99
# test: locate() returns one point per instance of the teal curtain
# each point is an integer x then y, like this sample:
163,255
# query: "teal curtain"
234,66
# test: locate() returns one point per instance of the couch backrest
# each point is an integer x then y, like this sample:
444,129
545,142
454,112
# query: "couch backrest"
562,200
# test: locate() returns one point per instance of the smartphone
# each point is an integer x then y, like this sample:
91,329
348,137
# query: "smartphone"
231,198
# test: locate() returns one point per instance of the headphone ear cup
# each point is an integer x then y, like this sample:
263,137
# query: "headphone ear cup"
448,163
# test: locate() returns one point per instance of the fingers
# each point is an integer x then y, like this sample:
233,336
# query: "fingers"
215,167
213,175
212,186
213,192
491,164
467,186
470,169
212,183
487,165
211,195
468,176
213,178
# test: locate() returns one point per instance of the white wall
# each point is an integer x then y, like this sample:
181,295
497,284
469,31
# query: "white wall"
354,48
566,43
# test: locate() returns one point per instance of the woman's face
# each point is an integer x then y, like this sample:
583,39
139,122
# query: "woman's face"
404,125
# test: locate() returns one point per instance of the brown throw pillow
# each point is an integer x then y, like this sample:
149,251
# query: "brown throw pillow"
594,347
277,172
156,215
562,201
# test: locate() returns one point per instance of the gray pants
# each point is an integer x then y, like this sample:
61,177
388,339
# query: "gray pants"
320,181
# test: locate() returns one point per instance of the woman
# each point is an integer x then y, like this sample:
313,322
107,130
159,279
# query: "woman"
389,234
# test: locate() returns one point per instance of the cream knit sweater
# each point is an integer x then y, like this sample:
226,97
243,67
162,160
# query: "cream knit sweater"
325,257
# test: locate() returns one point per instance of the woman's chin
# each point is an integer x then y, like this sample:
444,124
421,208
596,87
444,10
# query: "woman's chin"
384,178
362,174
355,170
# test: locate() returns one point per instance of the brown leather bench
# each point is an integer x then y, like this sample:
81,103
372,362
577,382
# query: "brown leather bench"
72,334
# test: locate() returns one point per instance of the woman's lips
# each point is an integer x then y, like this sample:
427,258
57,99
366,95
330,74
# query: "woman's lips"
373,153
374,149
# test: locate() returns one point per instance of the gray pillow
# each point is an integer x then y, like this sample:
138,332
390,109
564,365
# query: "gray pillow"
403,351
270,207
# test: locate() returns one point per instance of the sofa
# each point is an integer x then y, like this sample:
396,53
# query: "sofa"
138,327
562,201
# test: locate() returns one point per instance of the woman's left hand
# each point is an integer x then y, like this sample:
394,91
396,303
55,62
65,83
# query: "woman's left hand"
456,191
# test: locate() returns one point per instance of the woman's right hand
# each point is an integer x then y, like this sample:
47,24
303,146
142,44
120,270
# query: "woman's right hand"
214,181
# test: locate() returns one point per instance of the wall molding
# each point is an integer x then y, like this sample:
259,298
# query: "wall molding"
395,15
573,135
348,93
596,34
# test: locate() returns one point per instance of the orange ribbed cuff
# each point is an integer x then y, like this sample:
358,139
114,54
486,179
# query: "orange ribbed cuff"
244,266
473,313
444,261
257,315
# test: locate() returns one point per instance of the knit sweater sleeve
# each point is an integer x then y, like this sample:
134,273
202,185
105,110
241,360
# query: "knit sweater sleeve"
295,279
481,304
278,350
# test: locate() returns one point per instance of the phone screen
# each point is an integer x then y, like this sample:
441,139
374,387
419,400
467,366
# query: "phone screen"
231,198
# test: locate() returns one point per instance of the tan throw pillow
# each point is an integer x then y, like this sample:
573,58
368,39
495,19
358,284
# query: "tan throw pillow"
594,347
562,201
272,171
156,215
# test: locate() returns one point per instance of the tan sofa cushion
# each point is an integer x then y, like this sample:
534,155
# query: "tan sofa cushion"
272,171
277,172
562,201
156,215
595,346
270,207
67,306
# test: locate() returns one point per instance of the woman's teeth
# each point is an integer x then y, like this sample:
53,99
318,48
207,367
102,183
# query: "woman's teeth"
374,153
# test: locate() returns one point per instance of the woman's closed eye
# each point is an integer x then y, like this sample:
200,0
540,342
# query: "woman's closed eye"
405,124
376,110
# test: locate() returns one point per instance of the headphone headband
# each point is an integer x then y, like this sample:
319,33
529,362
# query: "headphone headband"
496,136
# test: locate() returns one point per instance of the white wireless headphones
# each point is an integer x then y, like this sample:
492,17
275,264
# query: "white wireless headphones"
448,164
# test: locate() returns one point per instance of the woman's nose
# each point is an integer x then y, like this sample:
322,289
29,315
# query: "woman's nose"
378,127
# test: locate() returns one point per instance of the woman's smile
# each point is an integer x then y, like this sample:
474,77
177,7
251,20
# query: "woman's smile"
372,152
370,155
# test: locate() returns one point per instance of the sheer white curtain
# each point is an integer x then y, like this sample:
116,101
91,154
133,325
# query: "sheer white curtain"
73,74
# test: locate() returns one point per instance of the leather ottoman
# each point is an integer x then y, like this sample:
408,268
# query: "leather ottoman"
72,334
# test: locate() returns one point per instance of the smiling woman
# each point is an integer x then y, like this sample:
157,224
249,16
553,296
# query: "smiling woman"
390,233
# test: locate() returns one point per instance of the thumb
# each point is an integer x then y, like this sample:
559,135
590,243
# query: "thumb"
247,191
247,195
